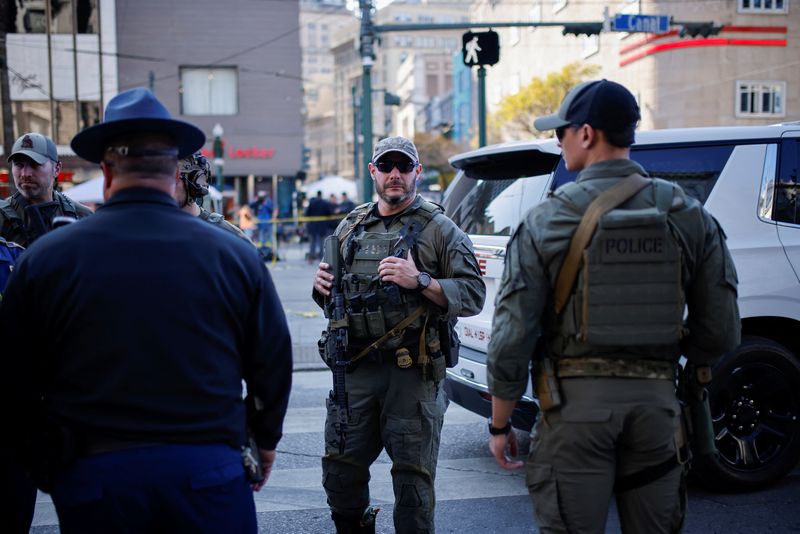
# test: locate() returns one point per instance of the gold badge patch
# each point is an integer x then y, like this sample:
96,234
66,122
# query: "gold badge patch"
404,360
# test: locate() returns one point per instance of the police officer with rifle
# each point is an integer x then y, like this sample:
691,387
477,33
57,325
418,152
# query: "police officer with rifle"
396,274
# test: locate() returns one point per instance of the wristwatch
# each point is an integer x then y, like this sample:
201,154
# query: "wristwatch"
493,430
423,281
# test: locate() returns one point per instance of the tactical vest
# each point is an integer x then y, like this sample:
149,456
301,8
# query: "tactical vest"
12,227
375,307
629,290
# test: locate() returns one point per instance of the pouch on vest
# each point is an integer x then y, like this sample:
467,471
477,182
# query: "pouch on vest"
630,286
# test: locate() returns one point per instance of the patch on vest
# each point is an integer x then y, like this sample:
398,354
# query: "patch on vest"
630,290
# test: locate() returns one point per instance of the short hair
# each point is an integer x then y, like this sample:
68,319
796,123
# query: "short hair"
622,138
147,166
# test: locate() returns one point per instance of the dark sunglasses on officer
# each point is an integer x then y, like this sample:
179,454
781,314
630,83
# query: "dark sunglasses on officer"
562,130
404,165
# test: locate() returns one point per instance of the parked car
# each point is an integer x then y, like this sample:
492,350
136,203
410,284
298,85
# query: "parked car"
747,178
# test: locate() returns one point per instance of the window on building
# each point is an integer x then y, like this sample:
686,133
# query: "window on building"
34,116
30,16
209,90
760,99
558,5
764,6
432,84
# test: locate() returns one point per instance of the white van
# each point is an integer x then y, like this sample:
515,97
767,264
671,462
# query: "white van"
747,178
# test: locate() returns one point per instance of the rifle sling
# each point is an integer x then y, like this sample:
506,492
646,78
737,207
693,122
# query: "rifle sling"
397,330
605,202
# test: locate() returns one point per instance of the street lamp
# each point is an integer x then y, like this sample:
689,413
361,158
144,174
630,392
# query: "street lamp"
219,161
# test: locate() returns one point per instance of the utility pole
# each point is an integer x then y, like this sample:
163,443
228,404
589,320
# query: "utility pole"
367,59
5,94
356,161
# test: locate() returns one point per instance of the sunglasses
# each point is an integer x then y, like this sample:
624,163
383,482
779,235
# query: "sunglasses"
561,130
386,166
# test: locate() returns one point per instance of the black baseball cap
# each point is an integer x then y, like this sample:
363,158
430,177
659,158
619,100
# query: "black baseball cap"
602,104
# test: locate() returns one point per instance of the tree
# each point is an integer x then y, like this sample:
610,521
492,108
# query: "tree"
542,96
434,151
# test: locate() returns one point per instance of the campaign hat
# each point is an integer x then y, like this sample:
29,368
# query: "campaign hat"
602,104
136,111
36,146
395,144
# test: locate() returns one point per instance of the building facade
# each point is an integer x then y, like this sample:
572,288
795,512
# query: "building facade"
745,74
319,21
235,64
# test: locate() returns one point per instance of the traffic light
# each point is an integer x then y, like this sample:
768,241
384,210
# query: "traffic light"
390,99
584,28
306,160
480,48
703,29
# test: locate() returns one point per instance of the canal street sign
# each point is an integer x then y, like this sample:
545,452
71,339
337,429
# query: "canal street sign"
641,23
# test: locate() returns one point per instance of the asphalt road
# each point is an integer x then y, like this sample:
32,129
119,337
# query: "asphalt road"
474,495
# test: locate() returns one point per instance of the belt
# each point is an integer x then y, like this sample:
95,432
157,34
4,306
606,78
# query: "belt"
616,368
96,444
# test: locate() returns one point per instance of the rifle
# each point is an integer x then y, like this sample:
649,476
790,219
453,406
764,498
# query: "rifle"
336,339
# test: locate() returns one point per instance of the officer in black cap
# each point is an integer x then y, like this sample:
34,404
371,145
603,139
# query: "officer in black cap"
127,405
29,212
593,294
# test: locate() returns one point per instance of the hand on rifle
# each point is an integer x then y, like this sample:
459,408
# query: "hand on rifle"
323,280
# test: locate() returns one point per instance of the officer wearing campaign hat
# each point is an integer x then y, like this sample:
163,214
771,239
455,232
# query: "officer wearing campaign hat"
29,213
126,410
592,298
409,271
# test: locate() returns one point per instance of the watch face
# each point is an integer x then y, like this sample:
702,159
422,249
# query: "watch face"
424,280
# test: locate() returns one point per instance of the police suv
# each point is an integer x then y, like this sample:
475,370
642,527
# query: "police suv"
747,177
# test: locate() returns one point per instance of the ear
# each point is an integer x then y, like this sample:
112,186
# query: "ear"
588,136
57,167
371,169
108,178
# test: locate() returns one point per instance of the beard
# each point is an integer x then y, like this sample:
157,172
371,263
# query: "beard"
396,199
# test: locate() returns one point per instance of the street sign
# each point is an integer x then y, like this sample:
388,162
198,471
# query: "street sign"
480,48
641,23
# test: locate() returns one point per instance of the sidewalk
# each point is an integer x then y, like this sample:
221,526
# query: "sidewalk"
293,277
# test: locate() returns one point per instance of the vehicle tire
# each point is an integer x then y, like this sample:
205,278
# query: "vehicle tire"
755,406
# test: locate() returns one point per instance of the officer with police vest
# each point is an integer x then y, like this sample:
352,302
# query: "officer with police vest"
29,213
190,188
408,272
595,296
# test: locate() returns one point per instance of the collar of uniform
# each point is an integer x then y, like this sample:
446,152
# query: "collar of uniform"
373,210
140,194
613,168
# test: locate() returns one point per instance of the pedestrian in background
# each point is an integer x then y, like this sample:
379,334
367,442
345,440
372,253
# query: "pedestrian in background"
29,213
129,411
409,271
191,186
317,230
263,209
604,339
346,205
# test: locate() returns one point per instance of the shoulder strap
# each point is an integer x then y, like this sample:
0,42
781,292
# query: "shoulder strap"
605,202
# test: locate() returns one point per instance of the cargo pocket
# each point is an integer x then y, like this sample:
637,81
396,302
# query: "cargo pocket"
543,488
404,439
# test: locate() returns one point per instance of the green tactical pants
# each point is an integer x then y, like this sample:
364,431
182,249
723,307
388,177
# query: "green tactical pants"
396,409
607,427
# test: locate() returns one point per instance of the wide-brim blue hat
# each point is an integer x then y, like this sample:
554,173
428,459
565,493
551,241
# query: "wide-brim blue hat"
132,111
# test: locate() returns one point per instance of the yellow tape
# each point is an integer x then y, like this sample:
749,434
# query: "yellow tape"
303,218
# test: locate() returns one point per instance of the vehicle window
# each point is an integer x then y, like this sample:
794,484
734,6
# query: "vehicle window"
696,168
491,208
786,188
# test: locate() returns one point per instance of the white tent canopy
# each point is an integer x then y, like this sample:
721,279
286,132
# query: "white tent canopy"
91,192
88,192
332,185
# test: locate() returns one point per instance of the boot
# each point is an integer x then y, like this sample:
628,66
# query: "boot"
351,525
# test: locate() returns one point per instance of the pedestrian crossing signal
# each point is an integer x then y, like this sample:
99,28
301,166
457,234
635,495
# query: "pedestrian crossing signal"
480,48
